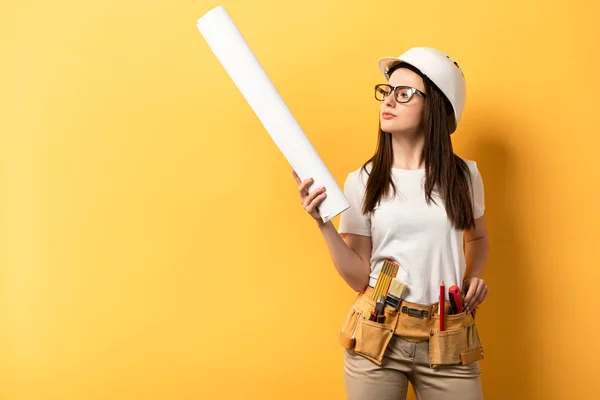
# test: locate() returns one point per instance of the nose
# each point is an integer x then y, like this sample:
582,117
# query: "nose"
390,100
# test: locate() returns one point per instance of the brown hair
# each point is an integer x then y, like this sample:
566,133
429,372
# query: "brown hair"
444,171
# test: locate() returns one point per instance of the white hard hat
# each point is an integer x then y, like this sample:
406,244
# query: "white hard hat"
439,68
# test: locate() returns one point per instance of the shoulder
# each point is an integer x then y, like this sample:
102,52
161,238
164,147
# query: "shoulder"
472,164
358,177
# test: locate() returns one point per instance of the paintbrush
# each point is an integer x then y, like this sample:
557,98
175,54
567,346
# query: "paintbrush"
394,296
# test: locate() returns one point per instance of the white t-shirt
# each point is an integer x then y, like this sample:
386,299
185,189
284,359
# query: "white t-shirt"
417,235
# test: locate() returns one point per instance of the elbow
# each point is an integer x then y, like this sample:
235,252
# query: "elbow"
358,284
359,288
361,285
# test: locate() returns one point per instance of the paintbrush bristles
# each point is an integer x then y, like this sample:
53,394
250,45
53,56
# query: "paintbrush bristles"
397,287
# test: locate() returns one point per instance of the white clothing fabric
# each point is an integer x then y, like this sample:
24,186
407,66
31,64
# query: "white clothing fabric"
417,235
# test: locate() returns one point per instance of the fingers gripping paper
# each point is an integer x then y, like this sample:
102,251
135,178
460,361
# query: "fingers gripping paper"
232,51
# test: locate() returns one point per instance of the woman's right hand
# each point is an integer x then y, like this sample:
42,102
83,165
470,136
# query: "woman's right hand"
310,200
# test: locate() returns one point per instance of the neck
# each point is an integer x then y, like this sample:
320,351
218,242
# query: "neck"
407,150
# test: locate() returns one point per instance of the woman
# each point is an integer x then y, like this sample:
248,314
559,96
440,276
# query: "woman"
418,203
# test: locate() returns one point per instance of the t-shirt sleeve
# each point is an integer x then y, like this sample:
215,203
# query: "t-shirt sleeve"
352,220
478,198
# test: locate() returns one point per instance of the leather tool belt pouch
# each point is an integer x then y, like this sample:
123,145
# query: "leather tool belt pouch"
457,344
365,337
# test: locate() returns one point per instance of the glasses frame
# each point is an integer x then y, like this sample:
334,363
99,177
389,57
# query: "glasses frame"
393,90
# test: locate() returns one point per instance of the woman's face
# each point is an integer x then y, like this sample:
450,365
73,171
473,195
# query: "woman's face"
406,116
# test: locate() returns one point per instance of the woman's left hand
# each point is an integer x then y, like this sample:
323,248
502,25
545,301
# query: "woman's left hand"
476,291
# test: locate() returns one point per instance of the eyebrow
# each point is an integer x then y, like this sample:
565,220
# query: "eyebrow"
422,90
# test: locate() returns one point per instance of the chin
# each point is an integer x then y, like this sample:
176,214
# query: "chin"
396,128
388,126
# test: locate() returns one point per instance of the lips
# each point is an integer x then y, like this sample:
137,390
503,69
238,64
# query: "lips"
387,115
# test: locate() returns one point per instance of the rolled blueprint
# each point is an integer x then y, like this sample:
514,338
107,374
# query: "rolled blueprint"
232,51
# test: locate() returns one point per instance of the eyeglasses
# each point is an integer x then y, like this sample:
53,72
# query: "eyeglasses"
402,94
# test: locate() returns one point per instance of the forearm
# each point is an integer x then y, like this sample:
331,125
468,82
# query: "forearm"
476,257
353,269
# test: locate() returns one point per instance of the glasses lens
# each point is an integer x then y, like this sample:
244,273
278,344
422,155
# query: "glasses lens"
381,92
403,94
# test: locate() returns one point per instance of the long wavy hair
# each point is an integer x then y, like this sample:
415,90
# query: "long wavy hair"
445,172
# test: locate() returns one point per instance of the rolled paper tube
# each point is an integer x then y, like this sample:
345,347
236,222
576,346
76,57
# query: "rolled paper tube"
232,51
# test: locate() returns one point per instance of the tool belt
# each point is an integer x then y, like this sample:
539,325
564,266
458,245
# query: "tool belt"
457,344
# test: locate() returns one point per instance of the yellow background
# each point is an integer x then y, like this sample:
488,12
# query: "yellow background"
153,245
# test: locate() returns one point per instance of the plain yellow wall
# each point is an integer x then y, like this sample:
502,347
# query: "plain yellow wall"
153,245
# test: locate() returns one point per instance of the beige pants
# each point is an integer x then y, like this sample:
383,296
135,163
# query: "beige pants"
408,361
